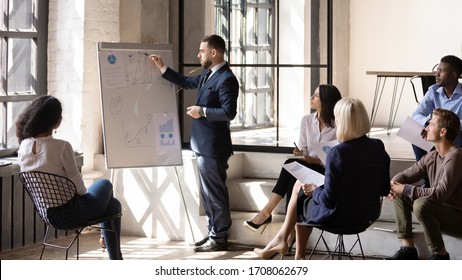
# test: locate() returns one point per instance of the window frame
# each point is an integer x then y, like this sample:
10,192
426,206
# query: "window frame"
39,41
328,66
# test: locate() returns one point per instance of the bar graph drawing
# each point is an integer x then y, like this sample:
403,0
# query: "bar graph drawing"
167,134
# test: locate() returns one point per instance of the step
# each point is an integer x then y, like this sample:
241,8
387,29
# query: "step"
378,241
252,194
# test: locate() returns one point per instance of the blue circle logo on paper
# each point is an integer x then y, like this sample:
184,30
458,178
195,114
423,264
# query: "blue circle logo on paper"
326,149
111,59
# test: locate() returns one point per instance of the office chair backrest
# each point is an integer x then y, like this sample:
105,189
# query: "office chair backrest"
55,199
427,81
362,201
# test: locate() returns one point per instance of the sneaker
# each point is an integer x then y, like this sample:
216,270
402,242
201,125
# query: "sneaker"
405,253
436,256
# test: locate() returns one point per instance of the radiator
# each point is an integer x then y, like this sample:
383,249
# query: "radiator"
20,225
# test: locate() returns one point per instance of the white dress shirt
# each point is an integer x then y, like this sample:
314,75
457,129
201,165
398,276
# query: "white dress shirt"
309,134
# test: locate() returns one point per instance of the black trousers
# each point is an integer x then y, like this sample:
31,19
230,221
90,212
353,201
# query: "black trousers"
286,181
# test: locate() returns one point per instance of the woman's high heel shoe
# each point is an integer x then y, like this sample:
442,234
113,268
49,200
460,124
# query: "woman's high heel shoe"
254,227
267,254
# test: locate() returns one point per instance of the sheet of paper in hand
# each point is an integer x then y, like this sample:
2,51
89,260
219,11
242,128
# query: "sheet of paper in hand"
410,131
304,174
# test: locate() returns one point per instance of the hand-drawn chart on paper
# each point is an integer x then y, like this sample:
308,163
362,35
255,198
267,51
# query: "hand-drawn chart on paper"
140,119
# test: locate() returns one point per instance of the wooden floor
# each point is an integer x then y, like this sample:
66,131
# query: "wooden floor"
134,248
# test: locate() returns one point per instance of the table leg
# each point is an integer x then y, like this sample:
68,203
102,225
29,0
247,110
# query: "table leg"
394,105
377,97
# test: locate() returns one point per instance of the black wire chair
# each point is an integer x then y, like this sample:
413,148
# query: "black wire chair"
427,81
56,201
339,251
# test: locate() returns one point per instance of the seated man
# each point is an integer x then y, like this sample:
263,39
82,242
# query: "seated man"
438,208
446,93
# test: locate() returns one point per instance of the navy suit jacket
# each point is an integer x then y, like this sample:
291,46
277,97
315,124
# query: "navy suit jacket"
211,136
345,181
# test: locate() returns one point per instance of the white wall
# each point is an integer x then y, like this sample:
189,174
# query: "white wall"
399,35
65,64
74,29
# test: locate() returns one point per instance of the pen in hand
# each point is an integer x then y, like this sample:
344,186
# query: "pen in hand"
297,151
296,146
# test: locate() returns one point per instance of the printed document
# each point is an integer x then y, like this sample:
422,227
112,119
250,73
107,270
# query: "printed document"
410,131
304,174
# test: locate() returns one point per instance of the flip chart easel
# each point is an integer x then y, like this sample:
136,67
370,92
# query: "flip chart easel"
139,107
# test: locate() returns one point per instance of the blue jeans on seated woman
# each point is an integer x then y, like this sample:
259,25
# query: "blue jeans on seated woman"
98,202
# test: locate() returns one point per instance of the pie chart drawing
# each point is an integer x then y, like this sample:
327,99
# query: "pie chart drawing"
111,59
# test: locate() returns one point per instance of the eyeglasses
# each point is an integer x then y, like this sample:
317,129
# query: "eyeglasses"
315,95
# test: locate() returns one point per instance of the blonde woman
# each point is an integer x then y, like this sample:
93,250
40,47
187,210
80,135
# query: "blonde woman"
318,204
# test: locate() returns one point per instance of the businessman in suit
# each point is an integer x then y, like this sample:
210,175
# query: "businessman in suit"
216,105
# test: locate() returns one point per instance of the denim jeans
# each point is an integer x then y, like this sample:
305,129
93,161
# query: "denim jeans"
98,202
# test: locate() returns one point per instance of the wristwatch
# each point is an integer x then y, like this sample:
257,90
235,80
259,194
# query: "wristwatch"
201,112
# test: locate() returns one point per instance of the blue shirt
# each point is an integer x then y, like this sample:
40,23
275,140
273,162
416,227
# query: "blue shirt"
436,98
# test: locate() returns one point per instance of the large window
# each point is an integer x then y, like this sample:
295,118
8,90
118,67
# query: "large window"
23,35
279,50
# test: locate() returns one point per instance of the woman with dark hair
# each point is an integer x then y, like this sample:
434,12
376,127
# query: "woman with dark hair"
317,127
39,151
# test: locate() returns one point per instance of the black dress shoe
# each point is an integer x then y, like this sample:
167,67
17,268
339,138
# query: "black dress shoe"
200,242
212,246
436,256
405,253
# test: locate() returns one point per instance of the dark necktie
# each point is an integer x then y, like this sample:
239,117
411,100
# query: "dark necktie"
206,77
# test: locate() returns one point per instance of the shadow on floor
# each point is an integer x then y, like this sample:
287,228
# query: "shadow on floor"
133,248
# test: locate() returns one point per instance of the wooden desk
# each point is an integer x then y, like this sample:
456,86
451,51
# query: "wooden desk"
380,85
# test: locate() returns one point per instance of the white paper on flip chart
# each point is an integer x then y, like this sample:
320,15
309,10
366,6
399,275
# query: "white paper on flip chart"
304,174
322,149
410,131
